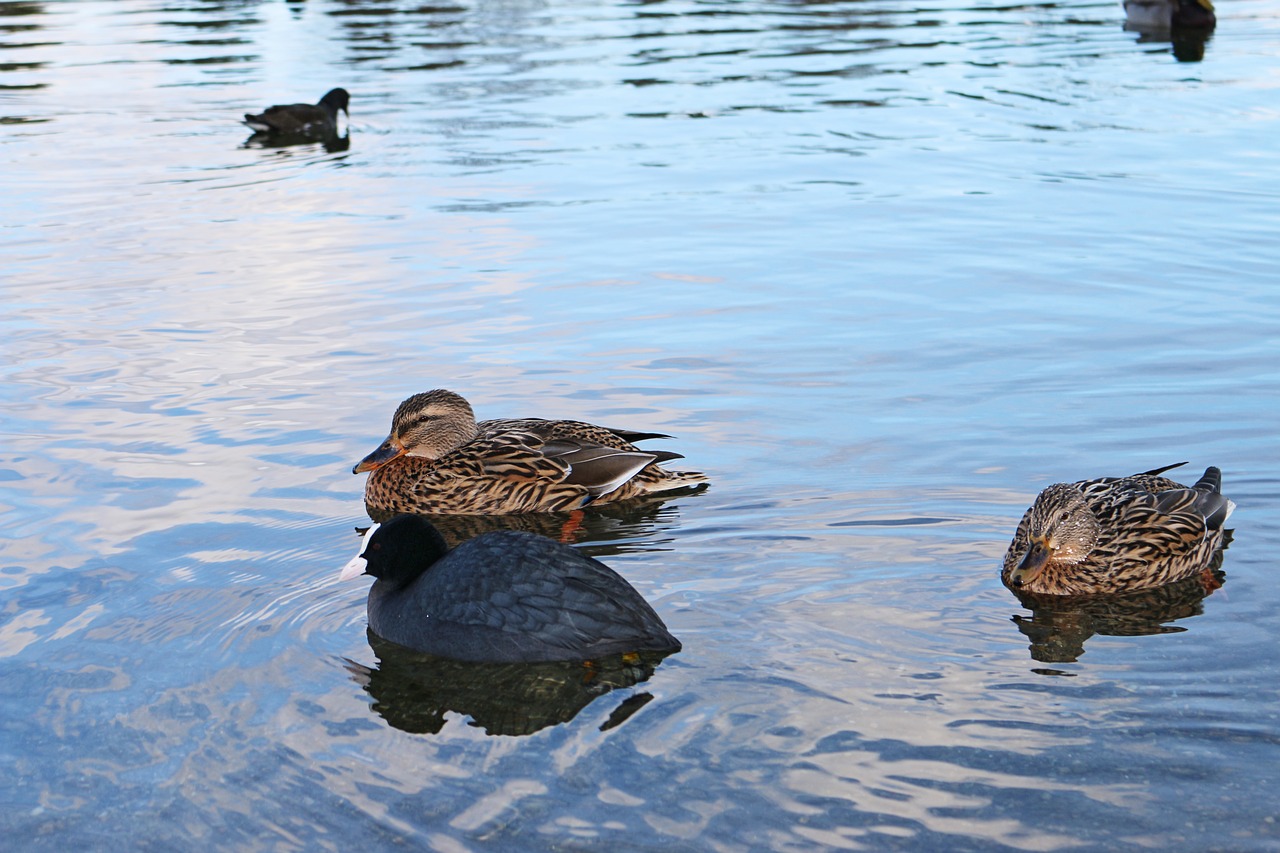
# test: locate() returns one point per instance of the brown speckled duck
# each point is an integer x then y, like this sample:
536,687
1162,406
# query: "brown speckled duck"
438,460
1117,534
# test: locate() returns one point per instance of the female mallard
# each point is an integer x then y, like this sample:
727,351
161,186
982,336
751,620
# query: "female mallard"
1117,534
319,119
437,459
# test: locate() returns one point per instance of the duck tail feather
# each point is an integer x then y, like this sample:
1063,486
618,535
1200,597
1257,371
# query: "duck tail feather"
1155,471
1210,482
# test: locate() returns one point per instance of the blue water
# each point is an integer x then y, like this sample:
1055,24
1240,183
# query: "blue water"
883,270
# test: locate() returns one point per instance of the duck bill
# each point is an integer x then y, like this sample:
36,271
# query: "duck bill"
1033,563
388,450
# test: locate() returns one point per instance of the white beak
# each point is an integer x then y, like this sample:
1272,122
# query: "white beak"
355,568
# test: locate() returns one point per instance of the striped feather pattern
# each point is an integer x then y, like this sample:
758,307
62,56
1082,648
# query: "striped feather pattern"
1117,534
438,460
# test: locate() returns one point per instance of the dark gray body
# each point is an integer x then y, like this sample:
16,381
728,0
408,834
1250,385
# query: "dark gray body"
318,119
515,597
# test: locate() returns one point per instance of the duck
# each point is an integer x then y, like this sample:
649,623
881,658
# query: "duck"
502,597
319,119
1117,534
437,460
1170,14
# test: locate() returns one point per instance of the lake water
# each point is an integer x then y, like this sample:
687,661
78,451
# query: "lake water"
884,268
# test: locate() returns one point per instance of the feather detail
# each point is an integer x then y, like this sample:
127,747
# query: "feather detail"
438,460
1116,534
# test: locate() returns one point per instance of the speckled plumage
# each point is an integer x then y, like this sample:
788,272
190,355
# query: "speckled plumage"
501,597
438,460
302,119
1117,534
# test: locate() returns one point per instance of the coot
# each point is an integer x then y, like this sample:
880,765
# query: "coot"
504,597
299,119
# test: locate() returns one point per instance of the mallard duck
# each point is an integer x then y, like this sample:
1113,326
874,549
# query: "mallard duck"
1169,14
1117,534
437,459
319,119
505,597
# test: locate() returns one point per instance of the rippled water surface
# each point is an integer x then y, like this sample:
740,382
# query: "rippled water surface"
883,269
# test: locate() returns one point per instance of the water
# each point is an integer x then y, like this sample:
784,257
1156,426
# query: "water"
884,270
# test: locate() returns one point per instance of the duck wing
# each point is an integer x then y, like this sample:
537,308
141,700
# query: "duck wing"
1146,518
600,469
598,459
1204,499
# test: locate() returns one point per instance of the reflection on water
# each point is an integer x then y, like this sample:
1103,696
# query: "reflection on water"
414,691
600,530
1059,625
1188,45
885,267
332,143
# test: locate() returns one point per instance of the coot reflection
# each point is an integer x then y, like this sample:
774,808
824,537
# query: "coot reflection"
414,692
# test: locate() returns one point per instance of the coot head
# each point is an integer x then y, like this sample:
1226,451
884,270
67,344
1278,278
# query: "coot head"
337,99
397,550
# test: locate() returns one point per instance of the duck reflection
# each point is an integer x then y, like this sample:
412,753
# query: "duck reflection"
598,531
1059,625
414,692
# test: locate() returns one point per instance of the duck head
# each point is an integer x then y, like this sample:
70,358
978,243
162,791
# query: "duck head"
1061,530
427,425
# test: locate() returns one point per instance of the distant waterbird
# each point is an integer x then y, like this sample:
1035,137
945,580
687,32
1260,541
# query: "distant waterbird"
316,120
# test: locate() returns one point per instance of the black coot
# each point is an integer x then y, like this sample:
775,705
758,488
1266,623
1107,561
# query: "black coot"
296,119
505,597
